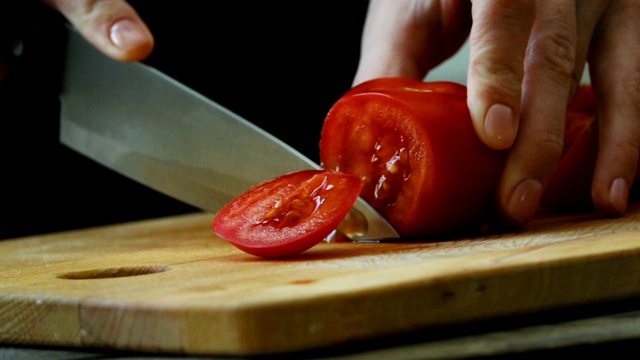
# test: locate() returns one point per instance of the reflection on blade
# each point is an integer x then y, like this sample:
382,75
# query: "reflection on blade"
147,126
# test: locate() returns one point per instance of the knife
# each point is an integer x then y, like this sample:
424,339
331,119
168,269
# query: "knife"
151,128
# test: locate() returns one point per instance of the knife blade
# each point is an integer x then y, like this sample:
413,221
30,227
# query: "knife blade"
149,127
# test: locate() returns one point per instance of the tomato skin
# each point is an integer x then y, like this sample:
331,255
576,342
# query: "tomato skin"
289,214
418,139
569,189
584,101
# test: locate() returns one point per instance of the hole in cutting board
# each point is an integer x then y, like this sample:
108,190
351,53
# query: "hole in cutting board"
114,272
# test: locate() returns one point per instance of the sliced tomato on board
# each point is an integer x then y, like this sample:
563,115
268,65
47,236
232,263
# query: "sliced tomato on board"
289,214
409,149
424,168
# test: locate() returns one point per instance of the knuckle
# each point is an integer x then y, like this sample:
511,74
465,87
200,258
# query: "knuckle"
78,6
627,146
627,143
631,85
505,75
554,50
545,149
497,70
550,143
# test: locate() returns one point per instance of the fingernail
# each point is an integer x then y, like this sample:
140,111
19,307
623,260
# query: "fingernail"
127,34
500,125
524,200
618,195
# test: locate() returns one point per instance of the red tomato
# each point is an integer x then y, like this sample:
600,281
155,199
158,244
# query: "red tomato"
424,168
584,101
289,214
569,189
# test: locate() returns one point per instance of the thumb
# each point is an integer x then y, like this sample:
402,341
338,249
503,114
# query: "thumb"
112,26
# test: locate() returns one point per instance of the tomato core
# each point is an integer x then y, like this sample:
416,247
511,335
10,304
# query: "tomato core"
390,160
290,211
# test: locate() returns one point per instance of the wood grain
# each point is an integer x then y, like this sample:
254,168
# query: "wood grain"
171,285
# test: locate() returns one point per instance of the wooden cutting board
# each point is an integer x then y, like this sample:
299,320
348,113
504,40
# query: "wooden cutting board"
171,285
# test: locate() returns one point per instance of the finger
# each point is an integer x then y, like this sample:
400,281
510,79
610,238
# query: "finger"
408,38
112,26
615,73
588,13
498,42
549,67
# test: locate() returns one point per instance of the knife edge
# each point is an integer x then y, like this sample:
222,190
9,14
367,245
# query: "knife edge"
172,138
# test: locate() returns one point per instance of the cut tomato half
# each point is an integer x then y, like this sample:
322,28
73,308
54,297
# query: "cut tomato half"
424,168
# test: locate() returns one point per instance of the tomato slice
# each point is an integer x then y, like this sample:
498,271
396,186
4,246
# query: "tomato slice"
424,168
289,214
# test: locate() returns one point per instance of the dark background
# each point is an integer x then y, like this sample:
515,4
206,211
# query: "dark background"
280,65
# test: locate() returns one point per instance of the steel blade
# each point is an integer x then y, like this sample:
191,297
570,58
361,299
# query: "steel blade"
145,125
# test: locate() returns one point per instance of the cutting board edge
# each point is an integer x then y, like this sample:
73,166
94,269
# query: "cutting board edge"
452,297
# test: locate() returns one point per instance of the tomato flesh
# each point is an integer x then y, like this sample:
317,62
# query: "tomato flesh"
289,214
424,168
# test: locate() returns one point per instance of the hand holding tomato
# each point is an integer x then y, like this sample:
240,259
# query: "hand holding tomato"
569,189
526,59
423,167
